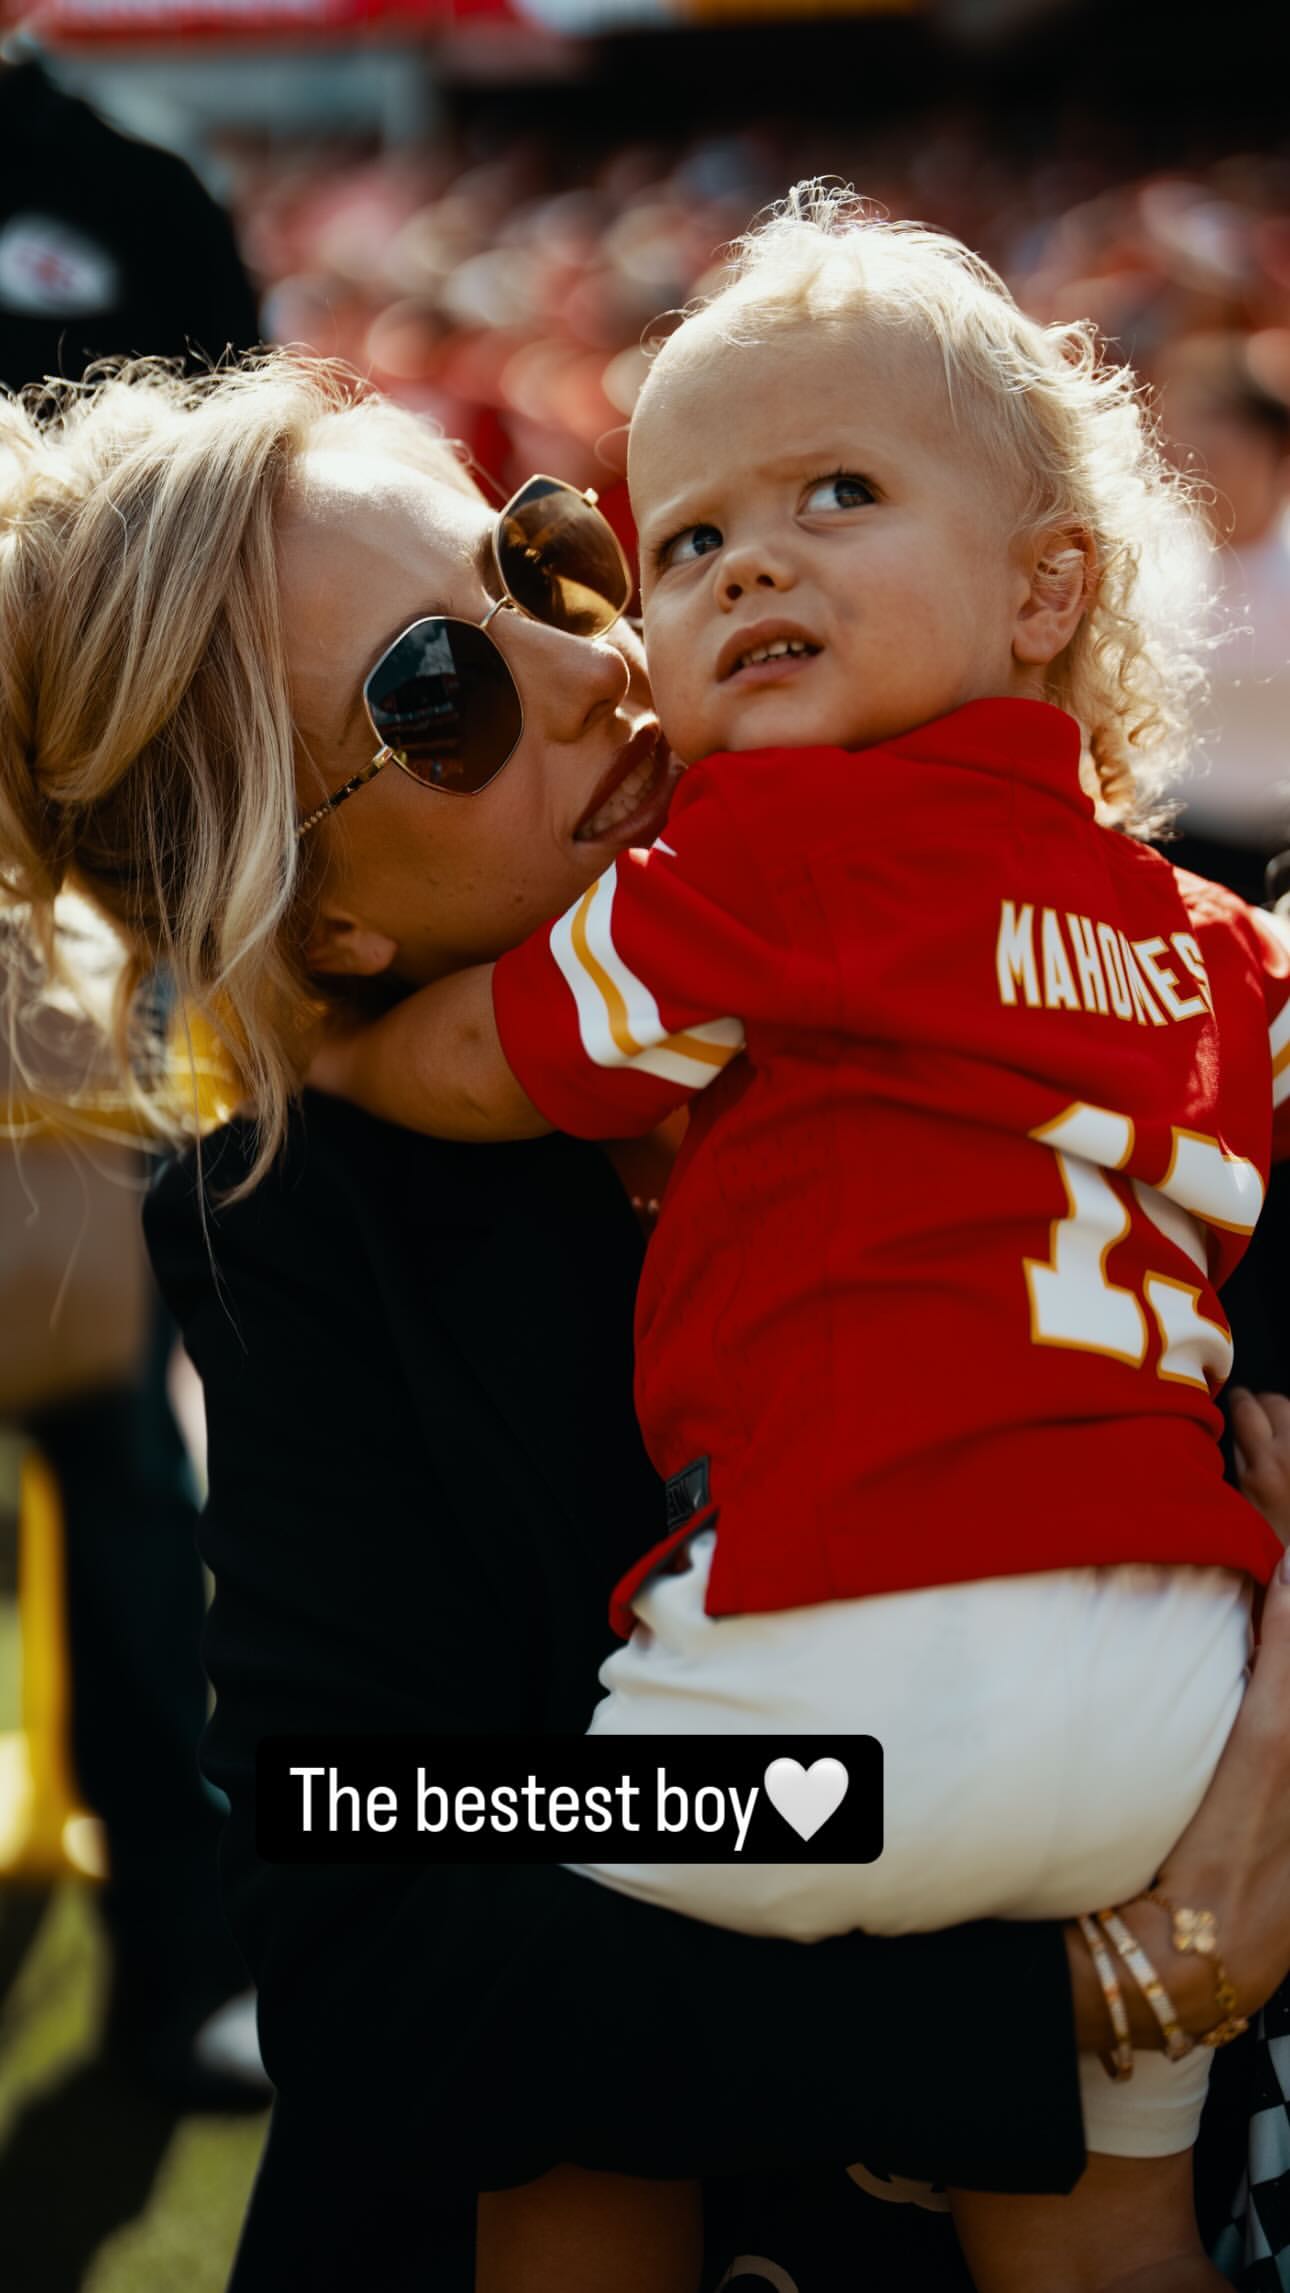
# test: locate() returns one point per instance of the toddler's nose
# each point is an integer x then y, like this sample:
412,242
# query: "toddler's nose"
762,572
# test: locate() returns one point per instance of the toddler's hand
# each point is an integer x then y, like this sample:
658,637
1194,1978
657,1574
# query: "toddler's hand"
1261,1428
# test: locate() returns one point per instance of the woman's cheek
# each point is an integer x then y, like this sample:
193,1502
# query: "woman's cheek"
550,879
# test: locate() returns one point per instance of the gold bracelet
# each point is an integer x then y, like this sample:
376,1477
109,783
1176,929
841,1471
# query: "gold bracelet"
1118,2062
1177,2043
1198,1931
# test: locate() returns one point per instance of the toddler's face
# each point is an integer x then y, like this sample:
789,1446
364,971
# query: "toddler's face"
826,560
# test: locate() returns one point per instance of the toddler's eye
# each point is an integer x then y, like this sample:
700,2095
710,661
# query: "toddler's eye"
693,541
844,490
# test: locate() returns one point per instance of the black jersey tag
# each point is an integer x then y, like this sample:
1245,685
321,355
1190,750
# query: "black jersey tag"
687,1493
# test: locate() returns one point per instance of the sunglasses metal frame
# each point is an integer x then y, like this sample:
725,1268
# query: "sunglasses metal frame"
507,601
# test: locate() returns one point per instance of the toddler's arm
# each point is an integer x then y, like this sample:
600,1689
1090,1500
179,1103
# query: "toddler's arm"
434,1063
1261,1427
613,1016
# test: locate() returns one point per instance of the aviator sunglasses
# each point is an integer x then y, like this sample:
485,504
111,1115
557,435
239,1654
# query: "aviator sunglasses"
442,700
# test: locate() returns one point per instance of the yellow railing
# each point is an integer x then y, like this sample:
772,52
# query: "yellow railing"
44,1830
203,1095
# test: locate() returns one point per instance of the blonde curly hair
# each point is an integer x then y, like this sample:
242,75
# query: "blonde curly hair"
148,760
1045,408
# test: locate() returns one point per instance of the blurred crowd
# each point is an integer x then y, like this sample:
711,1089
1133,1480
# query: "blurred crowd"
508,291
508,287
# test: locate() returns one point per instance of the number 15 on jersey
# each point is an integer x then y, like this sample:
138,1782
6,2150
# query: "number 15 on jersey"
1073,1300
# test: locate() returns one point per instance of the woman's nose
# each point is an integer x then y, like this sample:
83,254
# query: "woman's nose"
591,680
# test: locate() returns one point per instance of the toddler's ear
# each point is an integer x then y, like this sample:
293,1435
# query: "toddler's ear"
1060,585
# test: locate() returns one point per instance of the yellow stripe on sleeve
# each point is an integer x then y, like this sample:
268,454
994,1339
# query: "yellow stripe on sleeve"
619,1021
615,1006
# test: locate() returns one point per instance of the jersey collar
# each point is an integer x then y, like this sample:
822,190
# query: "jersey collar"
1021,739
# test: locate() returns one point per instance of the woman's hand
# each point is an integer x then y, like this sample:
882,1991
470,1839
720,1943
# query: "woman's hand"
1234,1856
1233,1859
644,1166
1261,1430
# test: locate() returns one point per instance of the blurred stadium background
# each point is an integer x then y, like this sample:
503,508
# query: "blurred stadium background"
486,205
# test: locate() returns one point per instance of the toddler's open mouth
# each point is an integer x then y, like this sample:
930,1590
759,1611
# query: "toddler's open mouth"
766,651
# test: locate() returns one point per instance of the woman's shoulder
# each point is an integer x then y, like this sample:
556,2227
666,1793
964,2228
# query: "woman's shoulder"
458,1297
323,1136
194,1197
344,1183
334,1150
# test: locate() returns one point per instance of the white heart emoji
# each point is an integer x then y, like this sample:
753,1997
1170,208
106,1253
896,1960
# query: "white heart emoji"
806,1797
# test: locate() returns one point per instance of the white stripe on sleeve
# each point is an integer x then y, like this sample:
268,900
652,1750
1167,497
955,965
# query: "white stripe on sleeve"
618,1019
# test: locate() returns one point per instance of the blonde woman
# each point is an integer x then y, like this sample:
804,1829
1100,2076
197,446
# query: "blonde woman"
905,567
424,1472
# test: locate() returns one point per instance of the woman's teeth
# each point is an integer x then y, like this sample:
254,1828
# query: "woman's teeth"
773,652
623,800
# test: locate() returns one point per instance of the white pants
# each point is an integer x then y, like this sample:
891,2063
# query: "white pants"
1045,1740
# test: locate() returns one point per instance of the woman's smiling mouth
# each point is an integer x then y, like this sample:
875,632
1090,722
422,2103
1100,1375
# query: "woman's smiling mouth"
634,796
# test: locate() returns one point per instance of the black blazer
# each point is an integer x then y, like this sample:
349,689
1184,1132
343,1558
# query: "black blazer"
424,1478
150,262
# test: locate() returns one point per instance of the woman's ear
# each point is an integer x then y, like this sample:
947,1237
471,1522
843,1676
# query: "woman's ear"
341,946
1060,566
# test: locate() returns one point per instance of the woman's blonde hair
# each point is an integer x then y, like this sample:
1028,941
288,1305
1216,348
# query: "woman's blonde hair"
147,753
1047,411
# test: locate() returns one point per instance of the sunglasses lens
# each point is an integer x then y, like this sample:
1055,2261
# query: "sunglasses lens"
445,699
561,561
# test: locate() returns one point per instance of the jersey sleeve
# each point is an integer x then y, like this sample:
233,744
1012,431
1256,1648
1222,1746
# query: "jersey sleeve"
1273,932
640,995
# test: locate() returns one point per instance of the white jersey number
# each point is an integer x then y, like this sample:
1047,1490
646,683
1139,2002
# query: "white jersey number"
1073,1301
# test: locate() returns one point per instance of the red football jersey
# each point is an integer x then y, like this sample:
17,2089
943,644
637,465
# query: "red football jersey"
984,1109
